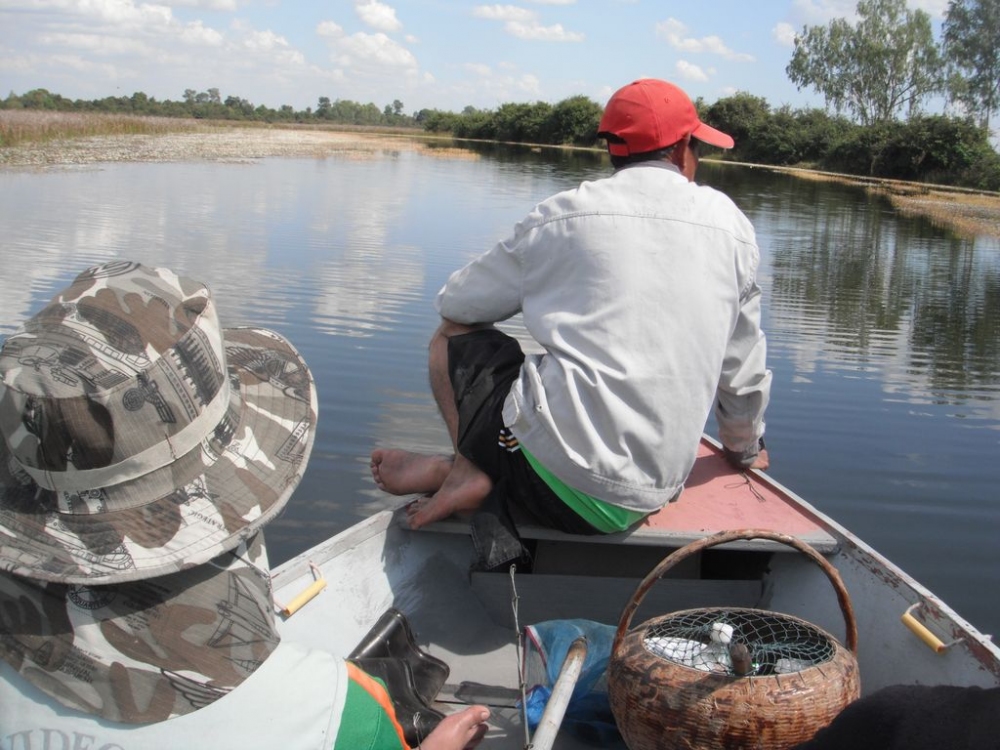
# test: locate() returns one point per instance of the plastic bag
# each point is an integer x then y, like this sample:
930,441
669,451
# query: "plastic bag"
588,715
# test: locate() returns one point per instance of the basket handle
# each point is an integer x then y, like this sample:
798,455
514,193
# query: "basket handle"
729,536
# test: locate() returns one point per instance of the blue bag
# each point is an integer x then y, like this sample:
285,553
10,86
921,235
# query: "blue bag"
588,715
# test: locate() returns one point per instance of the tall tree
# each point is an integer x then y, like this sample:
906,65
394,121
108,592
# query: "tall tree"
886,63
972,50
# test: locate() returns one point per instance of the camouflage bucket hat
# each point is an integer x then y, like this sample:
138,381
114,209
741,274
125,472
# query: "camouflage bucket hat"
139,437
143,651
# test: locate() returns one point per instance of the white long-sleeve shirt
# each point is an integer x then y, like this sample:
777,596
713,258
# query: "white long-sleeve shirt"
641,289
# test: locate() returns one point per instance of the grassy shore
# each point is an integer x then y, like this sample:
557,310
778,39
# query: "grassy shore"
38,139
22,127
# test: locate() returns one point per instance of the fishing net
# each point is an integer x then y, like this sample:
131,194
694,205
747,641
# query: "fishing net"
710,640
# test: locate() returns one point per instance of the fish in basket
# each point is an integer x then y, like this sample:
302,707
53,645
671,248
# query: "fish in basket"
729,678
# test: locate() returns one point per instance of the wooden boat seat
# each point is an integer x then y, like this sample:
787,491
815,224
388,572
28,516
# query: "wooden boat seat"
716,497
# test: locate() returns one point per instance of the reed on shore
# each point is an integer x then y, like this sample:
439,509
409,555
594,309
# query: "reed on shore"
23,126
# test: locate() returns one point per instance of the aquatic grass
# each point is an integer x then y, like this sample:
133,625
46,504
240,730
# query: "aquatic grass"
966,212
21,127
967,215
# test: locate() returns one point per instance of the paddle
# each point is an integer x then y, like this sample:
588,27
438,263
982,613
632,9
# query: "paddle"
562,691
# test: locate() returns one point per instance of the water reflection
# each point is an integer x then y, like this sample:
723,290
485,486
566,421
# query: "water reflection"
854,286
883,330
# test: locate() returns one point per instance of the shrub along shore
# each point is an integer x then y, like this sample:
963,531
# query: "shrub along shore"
45,140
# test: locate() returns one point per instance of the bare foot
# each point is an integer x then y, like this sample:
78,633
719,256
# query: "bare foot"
762,462
459,731
400,472
465,489
427,510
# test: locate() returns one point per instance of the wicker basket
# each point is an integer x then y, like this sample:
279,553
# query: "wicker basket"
662,698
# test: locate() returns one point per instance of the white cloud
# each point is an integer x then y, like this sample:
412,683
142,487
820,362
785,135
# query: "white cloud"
554,2
507,84
98,44
91,48
528,83
366,49
264,41
479,69
504,13
84,65
690,71
226,5
329,29
524,24
812,12
124,12
378,15
537,33
784,34
675,33
18,63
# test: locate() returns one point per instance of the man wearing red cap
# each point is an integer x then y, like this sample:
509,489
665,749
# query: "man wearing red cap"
641,290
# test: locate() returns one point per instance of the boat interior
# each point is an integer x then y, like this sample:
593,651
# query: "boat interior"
471,619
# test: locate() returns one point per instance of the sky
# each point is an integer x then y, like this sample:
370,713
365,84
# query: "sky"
433,54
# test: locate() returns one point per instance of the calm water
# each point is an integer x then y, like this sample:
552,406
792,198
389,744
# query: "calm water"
884,332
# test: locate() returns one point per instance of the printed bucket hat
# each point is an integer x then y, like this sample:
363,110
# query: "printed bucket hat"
143,651
139,437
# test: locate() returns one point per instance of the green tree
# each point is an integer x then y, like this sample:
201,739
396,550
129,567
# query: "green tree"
436,121
40,99
575,120
742,116
887,62
972,50
140,103
522,123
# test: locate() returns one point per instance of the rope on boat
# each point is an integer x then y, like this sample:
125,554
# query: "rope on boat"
522,685
749,484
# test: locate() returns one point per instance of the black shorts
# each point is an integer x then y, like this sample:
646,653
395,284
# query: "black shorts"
482,366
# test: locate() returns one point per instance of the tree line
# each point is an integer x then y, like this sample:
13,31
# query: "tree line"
875,76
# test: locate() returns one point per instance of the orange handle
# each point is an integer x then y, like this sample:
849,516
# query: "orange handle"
922,632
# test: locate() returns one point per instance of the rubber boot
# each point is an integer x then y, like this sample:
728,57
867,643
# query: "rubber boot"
391,636
415,717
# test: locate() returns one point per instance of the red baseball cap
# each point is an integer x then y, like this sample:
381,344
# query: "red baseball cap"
651,114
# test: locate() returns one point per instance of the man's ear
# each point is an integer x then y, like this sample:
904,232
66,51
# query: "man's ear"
680,155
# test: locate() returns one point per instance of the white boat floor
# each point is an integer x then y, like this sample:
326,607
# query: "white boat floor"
484,661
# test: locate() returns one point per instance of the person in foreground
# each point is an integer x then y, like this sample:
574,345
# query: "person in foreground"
916,717
144,449
641,289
